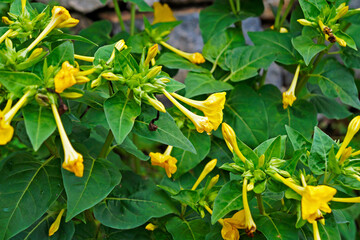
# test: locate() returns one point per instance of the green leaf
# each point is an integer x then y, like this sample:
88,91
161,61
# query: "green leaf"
174,61
279,42
301,116
245,62
333,163
182,229
309,9
277,226
298,141
351,58
16,82
203,83
28,188
330,107
188,160
65,36
272,148
307,48
121,113
63,52
349,41
188,197
40,124
321,146
239,110
228,199
143,6
349,182
174,85
220,151
100,178
214,49
131,148
166,133
133,203
335,80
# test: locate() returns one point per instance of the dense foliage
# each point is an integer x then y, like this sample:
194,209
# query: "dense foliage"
88,151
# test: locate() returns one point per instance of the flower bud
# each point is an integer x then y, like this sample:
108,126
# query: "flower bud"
8,43
35,53
305,22
96,82
153,72
71,95
110,76
341,42
42,99
213,181
261,160
207,169
150,227
7,21
151,54
342,12
157,104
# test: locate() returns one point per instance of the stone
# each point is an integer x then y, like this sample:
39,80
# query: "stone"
83,6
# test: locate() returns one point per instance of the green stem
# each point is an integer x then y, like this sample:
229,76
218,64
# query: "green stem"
132,23
337,52
232,6
278,14
238,6
263,78
260,204
287,10
50,145
227,78
118,13
106,147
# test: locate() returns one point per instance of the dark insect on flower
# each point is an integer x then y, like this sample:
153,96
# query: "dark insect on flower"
328,31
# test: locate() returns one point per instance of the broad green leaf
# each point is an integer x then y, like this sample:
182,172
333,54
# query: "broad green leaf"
351,58
202,83
188,197
182,229
40,124
174,85
321,146
309,9
214,49
100,177
174,61
121,113
27,189
139,233
188,160
129,146
335,80
40,230
272,148
103,53
277,226
142,5
329,230
245,62
333,164
349,41
349,182
65,36
280,42
239,110
16,82
133,203
166,133
330,107
298,141
307,48
228,199
16,8
186,181
63,52
301,116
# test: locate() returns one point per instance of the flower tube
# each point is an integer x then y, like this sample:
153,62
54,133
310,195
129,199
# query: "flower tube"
56,224
250,226
353,128
60,18
230,139
207,169
73,161
195,58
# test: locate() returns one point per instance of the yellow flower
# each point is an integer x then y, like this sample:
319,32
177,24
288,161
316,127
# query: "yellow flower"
231,225
7,21
195,58
56,224
73,161
250,226
165,161
230,139
156,104
201,123
69,76
162,13
60,18
150,227
316,231
314,198
305,22
84,58
353,128
152,52
6,130
212,107
119,45
23,5
207,169
289,96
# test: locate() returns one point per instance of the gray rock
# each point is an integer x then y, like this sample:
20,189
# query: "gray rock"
83,6
252,24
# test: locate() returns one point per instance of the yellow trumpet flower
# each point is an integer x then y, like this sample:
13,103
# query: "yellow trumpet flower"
5,35
6,20
150,227
316,231
230,139
207,169
162,13
6,130
84,58
60,18
56,224
23,5
196,58
73,161
120,45
353,128
201,123
250,226
165,161
314,198
212,107
69,76
289,96
231,225
152,52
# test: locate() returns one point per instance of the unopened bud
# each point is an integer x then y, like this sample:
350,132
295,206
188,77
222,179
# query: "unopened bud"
8,43
342,12
110,76
96,83
35,53
153,72
71,95
276,162
230,139
151,54
157,104
207,169
7,21
213,181
164,80
120,45
261,160
13,34
42,99
250,186
150,227
341,42
305,22
69,23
